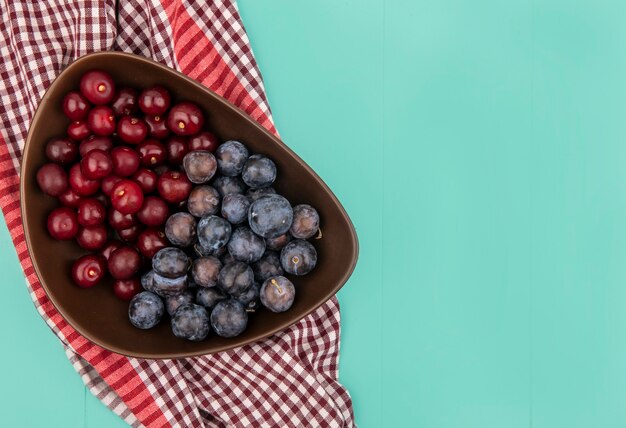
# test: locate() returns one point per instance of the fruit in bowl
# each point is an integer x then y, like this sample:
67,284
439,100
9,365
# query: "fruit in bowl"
158,171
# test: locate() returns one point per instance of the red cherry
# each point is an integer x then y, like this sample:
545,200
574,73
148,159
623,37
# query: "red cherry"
131,234
109,182
150,241
81,184
132,130
151,153
124,262
62,224
52,179
176,148
124,102
78,130
174,186
96,164
92,237
101,120
61,150
97,86
117,220
88,270
125,161
95,142
70,198
75,106
154,101
91,212
204,141
126,289
185,119
111,246
147,179
157,128
153,212
127,197
104,200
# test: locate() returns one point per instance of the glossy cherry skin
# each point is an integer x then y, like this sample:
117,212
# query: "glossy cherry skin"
126,289
78,130
124,102
97,86
75,106
124,262
101,120
81,184
62,223
110,246
92,237
154,101
117,220
96,164
125,161
204,141
91,212
88,270
109,182
130,234
153,212
61,150
174,186
176,148
52,179
132,130
157,127
150,241
185,119
151,153
70,198
95,142
127,197
147,179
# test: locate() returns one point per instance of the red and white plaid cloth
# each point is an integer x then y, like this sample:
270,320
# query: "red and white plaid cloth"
289,379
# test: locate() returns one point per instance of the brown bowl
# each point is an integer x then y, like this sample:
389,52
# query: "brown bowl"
96,313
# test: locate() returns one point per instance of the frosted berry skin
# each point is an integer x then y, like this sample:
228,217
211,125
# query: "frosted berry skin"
235,278
124,262
62,224
154,101
126,289
277,243
259,171
101,120
245,246
75,106
204,141
231,158
270,216
200,166
61,150
52,179
146,310
229,185
82,185
268,266
164,286
277,294
185,119
132,130
171,262
97,86
174,186
124,102
88,270
127,197
125,161
205,270
209,297
96,165
180,229
191,322
92,237
298,257
254,194
78,130
306,222
235,208
203,201
174,302
229,318
213,232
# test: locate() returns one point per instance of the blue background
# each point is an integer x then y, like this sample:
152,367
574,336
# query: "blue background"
480,149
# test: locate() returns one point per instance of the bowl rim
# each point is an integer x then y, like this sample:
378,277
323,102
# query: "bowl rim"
38,117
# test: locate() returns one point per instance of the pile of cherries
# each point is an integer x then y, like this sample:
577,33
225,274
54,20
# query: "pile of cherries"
163,207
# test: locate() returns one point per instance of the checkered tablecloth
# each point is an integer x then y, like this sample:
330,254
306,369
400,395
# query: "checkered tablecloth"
288,380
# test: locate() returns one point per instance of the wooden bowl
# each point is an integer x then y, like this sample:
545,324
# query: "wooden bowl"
96,313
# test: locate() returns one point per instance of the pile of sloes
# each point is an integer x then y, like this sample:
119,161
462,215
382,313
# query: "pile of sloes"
231,248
